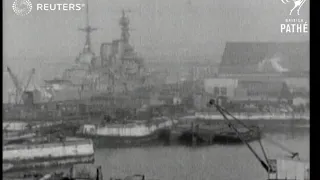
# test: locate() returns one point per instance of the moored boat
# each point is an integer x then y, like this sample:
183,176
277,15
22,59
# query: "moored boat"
204,135
39,152
128,134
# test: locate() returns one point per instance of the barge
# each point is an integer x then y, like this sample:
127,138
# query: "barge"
205,135
128,134
41,152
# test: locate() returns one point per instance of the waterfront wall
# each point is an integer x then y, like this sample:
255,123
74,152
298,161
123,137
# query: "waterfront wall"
201,115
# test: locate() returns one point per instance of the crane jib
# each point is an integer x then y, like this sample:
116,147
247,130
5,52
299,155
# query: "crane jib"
268,164
264,164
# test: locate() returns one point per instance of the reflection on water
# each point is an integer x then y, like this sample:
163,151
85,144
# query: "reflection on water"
207,163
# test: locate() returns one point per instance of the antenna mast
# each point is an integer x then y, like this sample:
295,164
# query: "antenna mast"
124,23
88,29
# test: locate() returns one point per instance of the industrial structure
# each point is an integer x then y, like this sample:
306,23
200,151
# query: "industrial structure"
263,72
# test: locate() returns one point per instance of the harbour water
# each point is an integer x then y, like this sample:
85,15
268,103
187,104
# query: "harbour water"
205,163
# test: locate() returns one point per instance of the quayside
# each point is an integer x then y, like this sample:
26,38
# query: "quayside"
291,167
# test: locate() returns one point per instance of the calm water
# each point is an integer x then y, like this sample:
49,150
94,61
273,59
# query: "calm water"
209,163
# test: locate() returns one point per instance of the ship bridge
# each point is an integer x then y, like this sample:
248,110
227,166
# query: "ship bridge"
121,69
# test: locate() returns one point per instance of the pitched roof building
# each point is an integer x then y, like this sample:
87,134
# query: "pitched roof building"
265,58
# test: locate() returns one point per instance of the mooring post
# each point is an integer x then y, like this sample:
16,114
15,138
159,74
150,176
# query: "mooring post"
193,134
211,138
71,172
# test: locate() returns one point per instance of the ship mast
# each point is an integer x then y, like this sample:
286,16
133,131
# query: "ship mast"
124,23
88,30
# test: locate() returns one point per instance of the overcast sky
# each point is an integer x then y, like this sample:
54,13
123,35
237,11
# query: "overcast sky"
162,29
160,26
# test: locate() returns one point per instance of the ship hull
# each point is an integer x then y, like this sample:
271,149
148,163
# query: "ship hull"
159,137
14,166
17,157
210,137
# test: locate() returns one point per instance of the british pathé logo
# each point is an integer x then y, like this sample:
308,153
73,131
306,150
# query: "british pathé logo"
22,7
297,4
294,25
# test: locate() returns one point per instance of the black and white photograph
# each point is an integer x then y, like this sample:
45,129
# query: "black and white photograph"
156,90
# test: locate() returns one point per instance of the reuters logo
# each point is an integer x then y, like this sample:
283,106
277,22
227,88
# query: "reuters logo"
22,7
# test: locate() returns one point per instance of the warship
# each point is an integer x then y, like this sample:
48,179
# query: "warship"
92,84
116,83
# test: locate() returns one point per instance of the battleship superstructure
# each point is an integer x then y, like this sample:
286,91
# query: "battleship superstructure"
92,81
118,69
110,92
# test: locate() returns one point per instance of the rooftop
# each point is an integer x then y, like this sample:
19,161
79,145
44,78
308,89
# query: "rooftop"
265,57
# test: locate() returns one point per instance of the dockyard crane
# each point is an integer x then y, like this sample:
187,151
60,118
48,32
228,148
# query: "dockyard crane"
19,89
33,71
17,84
276,168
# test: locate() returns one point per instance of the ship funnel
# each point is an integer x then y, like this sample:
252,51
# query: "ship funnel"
106,53
121,49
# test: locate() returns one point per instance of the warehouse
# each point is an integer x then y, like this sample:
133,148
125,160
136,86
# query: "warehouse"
266,70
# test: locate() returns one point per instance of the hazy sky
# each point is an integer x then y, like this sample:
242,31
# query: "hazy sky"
160,26
163,29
